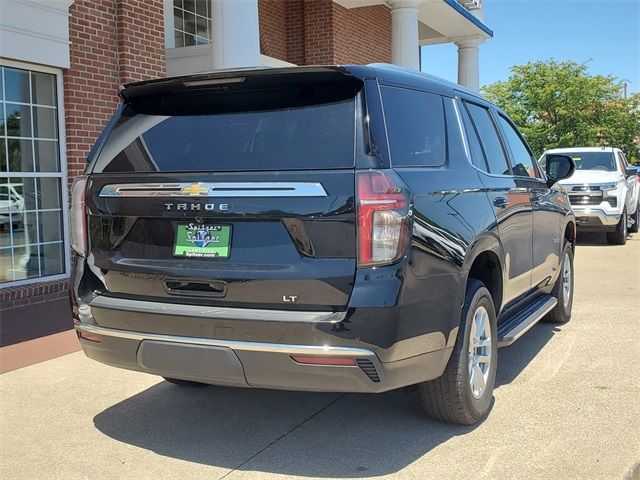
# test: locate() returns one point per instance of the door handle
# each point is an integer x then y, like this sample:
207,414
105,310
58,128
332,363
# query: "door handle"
500,202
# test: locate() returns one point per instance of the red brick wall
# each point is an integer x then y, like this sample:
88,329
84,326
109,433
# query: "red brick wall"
272,16
140,25
112,42
295,31
320,32
15,297
362,35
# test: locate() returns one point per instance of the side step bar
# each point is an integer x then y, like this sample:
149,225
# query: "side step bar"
512,329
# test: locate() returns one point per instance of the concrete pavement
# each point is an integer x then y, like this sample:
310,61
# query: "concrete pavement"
567,406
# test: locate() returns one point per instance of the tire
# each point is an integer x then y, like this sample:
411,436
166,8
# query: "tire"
636,221
561,313
619,237
184,383
451,398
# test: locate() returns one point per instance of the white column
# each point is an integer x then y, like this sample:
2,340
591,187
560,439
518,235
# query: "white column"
468,56
169,38
468,64
404,33
236,34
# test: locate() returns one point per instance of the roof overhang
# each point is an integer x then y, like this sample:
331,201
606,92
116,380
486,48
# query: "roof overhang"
446,21
440,21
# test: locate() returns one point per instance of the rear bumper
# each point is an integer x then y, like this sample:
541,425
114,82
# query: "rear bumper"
253,364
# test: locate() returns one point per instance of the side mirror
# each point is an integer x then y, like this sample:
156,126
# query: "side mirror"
558,167
630,171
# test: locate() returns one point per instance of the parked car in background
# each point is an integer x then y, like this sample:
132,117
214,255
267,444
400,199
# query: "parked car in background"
604,191
350,229
11,202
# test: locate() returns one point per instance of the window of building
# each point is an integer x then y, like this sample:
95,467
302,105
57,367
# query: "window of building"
522,162
31,178
415,125
191,22
493,152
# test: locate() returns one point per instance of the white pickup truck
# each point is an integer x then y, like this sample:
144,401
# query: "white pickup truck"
603,191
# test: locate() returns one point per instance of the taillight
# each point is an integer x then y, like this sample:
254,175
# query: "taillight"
78,214
383,224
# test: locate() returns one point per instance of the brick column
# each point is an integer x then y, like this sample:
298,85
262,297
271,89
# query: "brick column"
140,26
112,42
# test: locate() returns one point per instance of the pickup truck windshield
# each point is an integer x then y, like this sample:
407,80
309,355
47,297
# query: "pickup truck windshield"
593,160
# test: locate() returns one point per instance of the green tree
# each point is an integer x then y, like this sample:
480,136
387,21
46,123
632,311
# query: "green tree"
558,104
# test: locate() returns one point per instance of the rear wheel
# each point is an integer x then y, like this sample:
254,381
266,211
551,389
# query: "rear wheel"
563,289
636,220
184,383
619,236
464,392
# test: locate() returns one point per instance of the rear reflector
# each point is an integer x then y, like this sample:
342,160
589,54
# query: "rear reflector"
89,336
78,214
341,361
383,224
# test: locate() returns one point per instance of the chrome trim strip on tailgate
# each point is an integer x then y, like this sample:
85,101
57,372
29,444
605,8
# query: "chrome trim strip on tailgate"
215,189
226,313
233,344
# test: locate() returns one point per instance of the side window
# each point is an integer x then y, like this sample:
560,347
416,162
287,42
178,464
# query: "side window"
415,126
522,162
489,139
477,154
625,163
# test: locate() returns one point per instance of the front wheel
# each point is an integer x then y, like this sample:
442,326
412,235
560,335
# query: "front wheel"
619,236
464,392
563,289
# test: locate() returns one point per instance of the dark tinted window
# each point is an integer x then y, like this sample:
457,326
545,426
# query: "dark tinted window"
522,162
310,137
491,145
415,126
477,155
455,142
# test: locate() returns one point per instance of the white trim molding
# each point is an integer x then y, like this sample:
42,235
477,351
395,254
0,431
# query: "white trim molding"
35,31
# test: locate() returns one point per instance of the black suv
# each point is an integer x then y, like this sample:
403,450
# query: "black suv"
352,229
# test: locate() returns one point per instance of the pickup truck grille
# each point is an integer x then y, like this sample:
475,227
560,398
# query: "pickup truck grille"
591,200
588,195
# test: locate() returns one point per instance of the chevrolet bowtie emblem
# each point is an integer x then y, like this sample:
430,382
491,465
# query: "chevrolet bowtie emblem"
195,190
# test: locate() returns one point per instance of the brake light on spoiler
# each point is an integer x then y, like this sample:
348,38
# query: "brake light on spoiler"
383,217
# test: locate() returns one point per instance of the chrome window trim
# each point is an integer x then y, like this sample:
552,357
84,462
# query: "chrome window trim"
215,189
203,311
287,349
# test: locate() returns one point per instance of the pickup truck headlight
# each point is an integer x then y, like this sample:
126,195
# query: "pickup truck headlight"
608,186
608,189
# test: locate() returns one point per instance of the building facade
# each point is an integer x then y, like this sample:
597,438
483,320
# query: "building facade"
61,62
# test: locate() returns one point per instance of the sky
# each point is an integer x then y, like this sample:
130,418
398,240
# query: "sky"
603,33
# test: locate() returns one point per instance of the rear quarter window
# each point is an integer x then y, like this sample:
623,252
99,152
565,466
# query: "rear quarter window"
415,127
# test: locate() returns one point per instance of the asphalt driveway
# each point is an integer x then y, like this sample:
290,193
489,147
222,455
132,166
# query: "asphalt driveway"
567,406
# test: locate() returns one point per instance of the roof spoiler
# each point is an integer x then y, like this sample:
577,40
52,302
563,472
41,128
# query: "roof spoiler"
260,89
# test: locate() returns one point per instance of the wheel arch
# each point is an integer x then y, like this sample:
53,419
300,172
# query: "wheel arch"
485,262
570,233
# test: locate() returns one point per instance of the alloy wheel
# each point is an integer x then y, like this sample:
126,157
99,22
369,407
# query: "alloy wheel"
566,280
479,351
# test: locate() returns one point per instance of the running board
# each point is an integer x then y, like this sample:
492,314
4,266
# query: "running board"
512,329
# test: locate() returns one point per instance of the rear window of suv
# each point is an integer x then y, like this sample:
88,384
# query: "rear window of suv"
317,136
